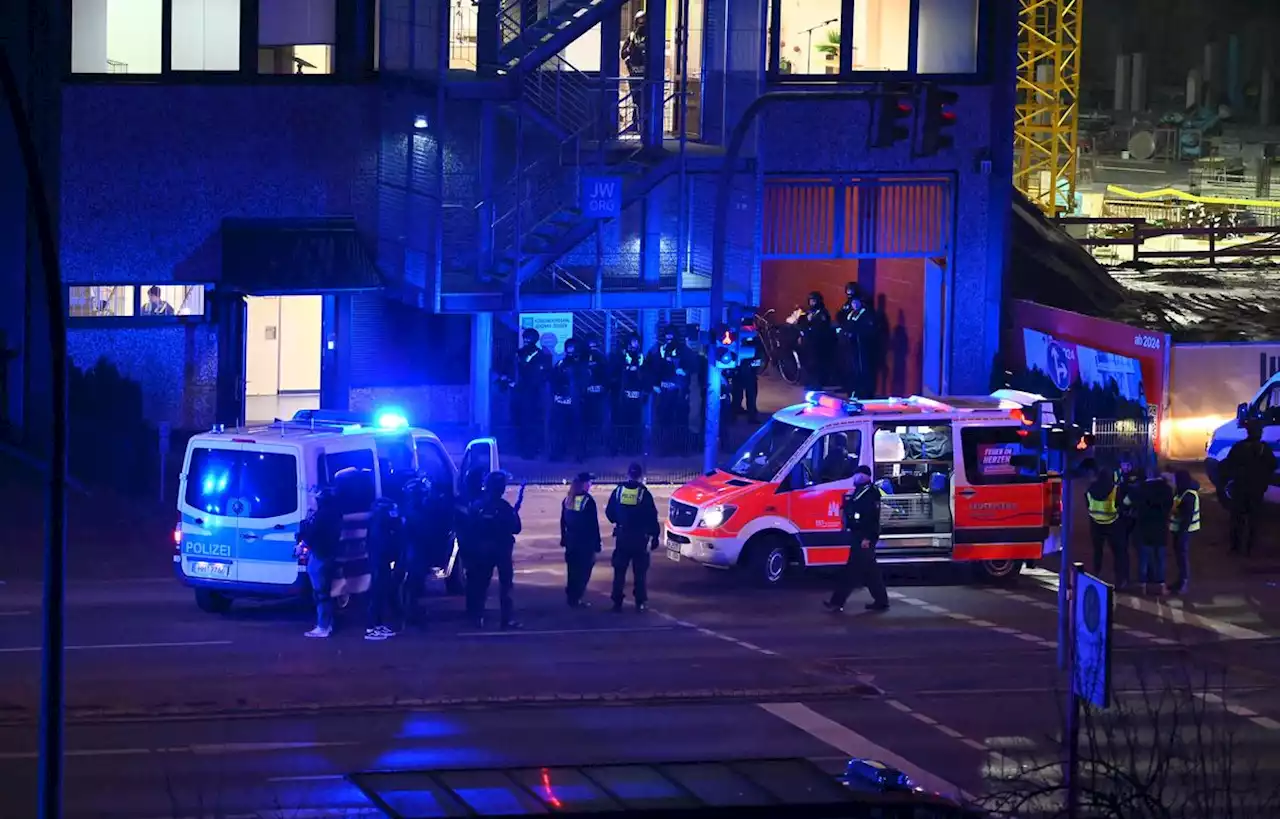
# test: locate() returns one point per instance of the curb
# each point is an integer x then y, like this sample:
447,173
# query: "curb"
196,712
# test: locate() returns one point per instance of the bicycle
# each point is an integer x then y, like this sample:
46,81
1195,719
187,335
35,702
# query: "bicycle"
778,351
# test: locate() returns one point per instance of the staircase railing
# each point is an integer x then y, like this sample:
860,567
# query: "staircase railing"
562,93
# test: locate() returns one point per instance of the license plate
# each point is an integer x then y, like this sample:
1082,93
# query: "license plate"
209,568
673,554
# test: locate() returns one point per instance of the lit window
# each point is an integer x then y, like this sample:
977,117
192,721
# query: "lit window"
809,42
296,36
116,36
462,37
206,35
881,35
172,300
100,301
948,37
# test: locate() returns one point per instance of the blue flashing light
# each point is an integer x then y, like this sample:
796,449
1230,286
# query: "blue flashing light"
391,419
812,398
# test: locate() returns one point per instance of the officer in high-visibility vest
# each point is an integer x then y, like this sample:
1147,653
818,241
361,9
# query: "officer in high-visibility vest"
1102,497
634,516
1184,520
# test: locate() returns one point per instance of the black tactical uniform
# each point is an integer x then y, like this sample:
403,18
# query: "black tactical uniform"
634,516
673,367
856,332
595,392
632,389
386,534
567,392
861,513
745,379
528,395
495,524
580,538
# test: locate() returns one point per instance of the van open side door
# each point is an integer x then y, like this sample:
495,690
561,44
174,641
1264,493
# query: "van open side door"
482,453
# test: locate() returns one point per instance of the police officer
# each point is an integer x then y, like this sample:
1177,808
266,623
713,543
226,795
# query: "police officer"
528,396
318,539
495,524
673,367
1247,472
386,534
630,377
579,537
1104,520
815,342
464,529
1182,523
567,392
634,516
862,523
1127,480
745,379
428,519
595,369
856,333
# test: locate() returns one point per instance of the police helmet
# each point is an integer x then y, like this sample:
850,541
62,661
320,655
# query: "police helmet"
571,345
851,290
815,296
530,336
631,340
593,342
495,482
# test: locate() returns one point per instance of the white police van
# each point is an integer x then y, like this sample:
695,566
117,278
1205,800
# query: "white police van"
1264,409
244,494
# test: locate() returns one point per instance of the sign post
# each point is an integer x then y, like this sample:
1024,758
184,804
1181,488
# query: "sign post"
166,431
600,197
1092,604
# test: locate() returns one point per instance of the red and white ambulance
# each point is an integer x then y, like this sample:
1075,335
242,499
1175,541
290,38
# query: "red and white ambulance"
963,480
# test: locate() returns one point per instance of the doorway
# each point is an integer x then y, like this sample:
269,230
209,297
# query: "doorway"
283,348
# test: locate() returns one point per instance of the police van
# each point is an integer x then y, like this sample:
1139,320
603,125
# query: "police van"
964,480
244,494
1263,409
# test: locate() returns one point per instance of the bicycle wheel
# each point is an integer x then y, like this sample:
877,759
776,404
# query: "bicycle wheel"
789,366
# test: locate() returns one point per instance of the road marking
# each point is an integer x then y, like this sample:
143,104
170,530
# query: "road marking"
855,745
1240,711
114,646
563,631
315,778
201,750
974,621
1167,610
715,634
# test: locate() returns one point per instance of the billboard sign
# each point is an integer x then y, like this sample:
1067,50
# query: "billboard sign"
554,328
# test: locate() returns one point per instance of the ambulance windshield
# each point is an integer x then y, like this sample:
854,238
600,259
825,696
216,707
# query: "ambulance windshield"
767,451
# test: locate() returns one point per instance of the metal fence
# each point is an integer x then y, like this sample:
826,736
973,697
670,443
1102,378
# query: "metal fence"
1113,437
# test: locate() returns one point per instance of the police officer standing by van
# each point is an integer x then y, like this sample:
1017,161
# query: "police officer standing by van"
319,535
634,516
862,523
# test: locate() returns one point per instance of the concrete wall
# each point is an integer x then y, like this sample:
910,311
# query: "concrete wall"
149,172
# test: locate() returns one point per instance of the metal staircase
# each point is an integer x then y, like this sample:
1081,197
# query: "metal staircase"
527,44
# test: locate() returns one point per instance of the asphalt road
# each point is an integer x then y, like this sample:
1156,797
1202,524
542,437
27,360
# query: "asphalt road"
178,713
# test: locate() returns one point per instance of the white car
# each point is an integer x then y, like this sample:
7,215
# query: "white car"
1263,408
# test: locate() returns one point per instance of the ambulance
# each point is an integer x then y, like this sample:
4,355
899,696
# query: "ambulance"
963,481
244,493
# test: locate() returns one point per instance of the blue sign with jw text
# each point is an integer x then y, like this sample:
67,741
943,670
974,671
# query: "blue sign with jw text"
601,197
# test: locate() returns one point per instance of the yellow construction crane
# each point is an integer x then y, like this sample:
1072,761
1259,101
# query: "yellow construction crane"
1046,121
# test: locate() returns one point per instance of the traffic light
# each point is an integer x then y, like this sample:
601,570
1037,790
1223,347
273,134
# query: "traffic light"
939,117
725,348
892,119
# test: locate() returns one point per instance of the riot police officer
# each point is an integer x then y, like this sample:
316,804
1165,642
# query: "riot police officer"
634,516
579,537
673,367
596,384
861,512
856,333
745,379
567,392
464,528
528,395
631,390
385,540
815,342
495,524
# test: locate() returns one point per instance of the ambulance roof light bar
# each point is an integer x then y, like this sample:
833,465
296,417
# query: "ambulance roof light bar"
929,403
849,406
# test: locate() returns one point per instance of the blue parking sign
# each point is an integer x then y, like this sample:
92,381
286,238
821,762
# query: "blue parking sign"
601,197
1091,666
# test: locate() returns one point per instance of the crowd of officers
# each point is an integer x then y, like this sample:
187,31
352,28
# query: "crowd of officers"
387,550
597,399
847,351
1133,511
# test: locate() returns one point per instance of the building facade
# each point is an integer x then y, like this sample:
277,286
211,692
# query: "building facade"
268,204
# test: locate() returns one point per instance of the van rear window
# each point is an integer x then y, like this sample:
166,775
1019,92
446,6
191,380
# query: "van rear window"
998,455
245,484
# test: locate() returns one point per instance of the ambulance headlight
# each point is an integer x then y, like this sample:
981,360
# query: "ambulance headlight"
391,419
715,516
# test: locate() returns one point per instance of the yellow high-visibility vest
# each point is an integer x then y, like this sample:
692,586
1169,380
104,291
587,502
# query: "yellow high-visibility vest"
1175,523
1103,511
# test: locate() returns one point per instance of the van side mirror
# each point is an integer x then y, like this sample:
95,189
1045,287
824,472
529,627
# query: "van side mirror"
1242,413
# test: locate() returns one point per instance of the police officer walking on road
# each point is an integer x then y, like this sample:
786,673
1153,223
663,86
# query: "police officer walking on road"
630,377
580,538
495,526
862,523
634,516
